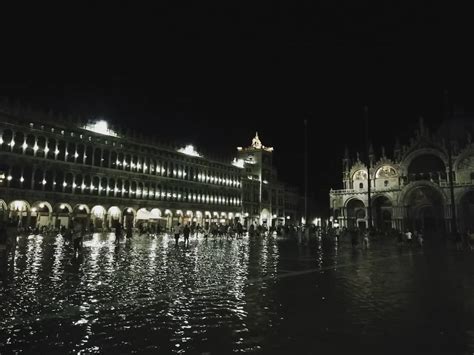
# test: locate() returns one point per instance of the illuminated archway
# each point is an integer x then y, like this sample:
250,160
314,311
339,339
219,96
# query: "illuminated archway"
356,213
41,213
19,212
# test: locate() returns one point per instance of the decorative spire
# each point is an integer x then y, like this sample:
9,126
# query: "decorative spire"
256,142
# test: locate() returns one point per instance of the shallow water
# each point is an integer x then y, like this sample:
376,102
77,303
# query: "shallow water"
219,297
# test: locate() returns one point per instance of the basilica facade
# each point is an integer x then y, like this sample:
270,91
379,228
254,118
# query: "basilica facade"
427,184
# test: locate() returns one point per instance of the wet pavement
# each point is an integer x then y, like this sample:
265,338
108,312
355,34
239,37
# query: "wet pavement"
229,296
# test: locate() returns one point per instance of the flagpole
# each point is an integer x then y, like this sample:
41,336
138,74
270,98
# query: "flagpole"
369,205
306,171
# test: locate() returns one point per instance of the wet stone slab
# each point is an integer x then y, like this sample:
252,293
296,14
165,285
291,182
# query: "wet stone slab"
225,296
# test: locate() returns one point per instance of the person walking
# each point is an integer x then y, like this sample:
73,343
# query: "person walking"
419,238
408,235
186,233
176,232
77,236
118,232
365,240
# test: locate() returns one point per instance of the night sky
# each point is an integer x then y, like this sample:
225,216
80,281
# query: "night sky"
213,75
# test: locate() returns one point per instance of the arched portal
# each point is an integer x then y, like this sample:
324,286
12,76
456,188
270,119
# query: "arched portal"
424,206
466,212
114,215
61,215
265,217
41,213
129,219
427,167
98,217
80,214
19,212
382,212
356,213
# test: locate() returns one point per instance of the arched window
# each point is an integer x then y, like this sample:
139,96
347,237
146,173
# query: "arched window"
79,154
89,155
105,158
113,160
86,185
385,183
7,137
361,185
71,152
51,148
78,184
19,140
41,145
27,175
103,187
61,151
49,181
69,182
97,156
30,144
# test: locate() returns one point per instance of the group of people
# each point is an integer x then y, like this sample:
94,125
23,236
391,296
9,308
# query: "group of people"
214,230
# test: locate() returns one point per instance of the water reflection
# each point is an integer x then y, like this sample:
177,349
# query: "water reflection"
222,296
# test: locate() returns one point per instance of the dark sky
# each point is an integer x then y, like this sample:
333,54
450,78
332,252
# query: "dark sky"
215,74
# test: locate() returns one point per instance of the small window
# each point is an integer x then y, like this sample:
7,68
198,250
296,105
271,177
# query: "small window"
472,175
361,186
385,183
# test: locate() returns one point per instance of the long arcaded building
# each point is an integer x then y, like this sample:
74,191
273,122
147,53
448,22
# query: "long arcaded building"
51,171
54,169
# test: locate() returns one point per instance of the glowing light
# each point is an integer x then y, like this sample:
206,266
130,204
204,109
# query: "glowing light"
100,127
246,214
189,150
265,181
81,207
33,209
76,155
46,150
64,184
44,182
24,146
1,140
62,206
129,210
22,179
74,185
41,205
9,177
35,148
56,151
274,216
